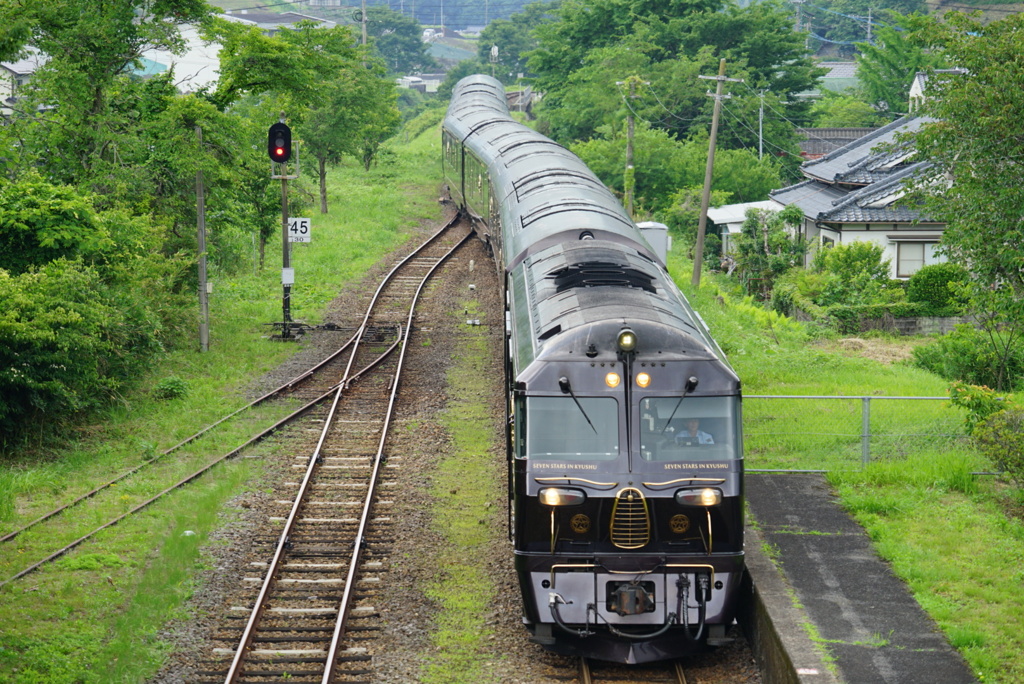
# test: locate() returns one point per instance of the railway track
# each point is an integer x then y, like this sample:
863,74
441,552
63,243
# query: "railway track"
306,610
593,672
379,334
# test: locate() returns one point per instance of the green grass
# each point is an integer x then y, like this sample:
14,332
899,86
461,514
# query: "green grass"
465,486
96,615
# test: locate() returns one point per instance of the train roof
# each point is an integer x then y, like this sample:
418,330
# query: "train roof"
574,286
546,193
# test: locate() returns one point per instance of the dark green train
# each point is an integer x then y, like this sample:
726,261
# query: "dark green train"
625,449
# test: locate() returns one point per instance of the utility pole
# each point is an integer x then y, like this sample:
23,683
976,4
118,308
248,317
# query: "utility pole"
705,199
629,150
760,127
204,299
630,179
362,17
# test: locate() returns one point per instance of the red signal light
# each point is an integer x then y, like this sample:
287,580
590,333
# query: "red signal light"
279,143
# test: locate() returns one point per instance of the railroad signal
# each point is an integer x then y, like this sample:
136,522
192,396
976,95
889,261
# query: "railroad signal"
279,143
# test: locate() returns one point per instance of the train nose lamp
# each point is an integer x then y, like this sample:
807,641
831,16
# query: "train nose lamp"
626,340
699,497
612,380
560,496
643,380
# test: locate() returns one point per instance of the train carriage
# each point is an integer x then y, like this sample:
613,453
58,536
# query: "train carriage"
627,520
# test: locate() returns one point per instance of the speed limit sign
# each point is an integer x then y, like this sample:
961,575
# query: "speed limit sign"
299,230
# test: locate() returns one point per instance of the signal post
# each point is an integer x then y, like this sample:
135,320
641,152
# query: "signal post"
279,148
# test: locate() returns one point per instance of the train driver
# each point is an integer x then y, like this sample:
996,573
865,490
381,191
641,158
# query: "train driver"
693,435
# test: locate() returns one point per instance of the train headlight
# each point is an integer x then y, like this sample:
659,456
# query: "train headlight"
643,379
699,497
560,496
626,340
612,380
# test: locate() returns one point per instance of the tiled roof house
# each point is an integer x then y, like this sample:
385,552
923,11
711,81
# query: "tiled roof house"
852,194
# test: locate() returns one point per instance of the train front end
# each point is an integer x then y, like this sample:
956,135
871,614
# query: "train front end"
626,468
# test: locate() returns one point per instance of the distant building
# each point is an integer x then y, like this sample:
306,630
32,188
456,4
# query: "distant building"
15,75
270,23
197,67
920,85
841,76
816,142
729,219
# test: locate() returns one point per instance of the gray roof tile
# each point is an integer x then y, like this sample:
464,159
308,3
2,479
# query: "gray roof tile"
858,163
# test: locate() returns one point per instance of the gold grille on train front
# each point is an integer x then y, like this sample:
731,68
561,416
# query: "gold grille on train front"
631,522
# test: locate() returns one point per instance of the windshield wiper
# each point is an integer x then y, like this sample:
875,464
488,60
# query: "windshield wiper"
691,385
563,384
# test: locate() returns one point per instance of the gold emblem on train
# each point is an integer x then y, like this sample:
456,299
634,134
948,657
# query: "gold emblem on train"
679,523
580,524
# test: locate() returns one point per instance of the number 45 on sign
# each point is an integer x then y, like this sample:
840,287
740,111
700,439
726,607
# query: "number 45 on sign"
299,230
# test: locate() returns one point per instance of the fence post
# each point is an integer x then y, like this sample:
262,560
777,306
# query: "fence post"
865,437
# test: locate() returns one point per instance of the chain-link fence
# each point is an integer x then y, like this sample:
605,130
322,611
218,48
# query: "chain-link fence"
846,433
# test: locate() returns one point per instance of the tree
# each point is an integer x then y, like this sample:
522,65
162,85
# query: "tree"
397,40
671,36
41,222
92,49
360,114
975,144
766,248
845,22
663,165
514,38
887,66
293,64
842,111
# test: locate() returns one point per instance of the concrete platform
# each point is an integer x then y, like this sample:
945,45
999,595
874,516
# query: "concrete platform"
873,629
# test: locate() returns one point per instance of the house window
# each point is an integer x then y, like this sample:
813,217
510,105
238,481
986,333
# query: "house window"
909,258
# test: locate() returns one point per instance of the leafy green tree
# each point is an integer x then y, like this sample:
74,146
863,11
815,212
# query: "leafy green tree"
397,40
975,146
842,111
360,114
91,48
663,165
845,22
767,247
938,287
886,66
293,64
589,42
514,38
855,273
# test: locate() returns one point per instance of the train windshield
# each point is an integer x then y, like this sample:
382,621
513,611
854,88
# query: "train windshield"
694,429
557,429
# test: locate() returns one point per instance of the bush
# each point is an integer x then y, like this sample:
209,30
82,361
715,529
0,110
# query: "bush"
171,387
67,343
1000,437
978,401
931,286
967,355
41,222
